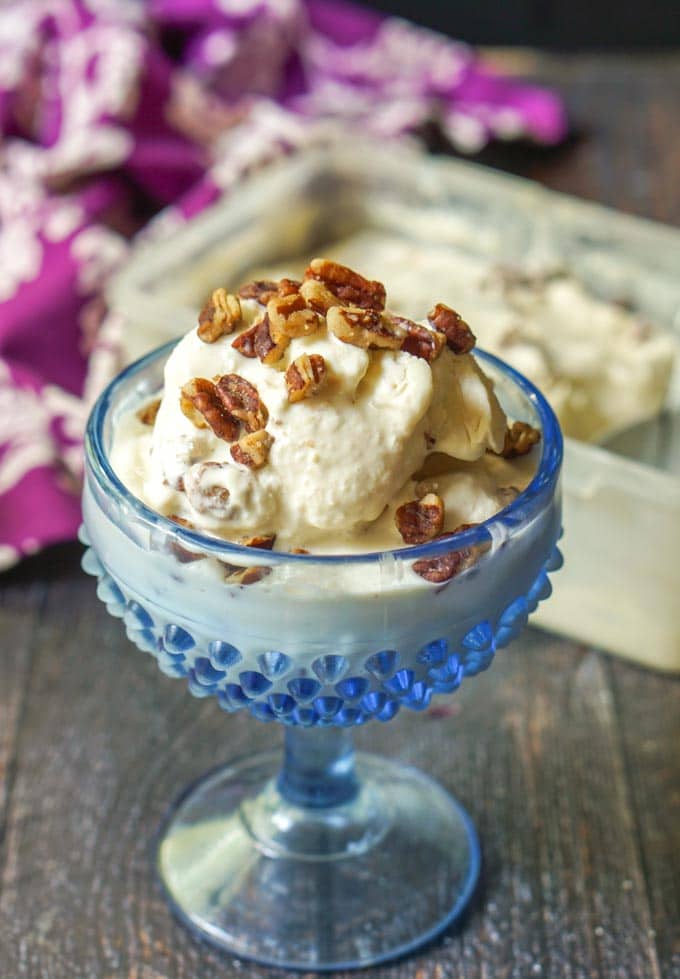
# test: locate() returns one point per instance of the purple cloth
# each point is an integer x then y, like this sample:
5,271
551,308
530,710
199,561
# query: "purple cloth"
112,110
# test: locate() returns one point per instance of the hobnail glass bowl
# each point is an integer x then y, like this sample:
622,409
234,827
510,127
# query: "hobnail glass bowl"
327,860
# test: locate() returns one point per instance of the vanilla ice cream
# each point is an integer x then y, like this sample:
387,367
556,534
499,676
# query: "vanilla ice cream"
318,432
601,365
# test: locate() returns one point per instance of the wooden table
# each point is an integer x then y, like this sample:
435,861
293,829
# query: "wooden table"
567,759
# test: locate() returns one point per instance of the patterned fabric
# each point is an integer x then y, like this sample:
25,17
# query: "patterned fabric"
112,111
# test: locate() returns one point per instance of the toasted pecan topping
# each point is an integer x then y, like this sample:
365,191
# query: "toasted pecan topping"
419,341
265,542
219,316
253,449
290,316
443,567
317,296
420,520
204,494
520,439
202,405
459,337
366,328
260,289
250,576
288,286
305,376
182,521
241,400
147,413
346,284
177,550
235,575
258,342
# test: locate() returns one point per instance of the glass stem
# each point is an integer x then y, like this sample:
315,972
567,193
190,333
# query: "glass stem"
318,767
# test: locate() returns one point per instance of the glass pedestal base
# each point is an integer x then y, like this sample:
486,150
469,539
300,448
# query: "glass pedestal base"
316,887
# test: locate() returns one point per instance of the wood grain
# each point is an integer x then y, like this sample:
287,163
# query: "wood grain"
567,760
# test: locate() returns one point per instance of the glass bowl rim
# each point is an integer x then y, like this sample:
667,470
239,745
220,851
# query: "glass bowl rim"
545,478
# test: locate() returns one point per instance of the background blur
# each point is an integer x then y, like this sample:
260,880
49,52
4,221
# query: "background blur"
549,23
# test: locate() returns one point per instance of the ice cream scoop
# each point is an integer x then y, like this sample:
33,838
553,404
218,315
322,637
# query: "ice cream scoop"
308,415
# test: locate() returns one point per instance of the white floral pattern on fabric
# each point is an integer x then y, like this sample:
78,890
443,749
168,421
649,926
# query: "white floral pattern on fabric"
24,431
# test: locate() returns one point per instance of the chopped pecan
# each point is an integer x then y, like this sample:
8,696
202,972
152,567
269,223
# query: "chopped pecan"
177,550
317,296
520,439
419,341
420,520
207,496
260,289
305,376
258,342
288,286
147,414
299,550
219,316
241,400
347,285
202,405
252,450
182,521
264,541
459,337
364,327
290,316
443,567
236,575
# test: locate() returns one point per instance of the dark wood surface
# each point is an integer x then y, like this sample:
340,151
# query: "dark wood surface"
568,760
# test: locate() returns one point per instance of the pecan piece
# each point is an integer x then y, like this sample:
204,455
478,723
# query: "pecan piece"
288,286
260,289
317,296
290,316
299,550
205,496
252,450
177,550
520,439
346,284
147,414
264,541
202,405
258,342
420,520
241,400
219,316
305,376
236,575
419,341
366,328
459,337
443,567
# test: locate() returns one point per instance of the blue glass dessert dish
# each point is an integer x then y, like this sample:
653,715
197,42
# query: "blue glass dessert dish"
325,859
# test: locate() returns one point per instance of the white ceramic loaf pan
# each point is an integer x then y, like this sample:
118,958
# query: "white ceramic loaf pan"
620,586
